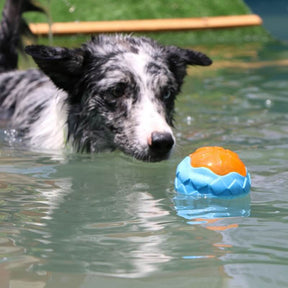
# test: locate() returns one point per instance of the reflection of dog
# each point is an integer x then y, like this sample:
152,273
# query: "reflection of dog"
112,92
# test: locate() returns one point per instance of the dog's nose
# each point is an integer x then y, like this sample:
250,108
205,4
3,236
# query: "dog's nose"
161,142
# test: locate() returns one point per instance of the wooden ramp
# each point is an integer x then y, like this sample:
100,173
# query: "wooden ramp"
153,25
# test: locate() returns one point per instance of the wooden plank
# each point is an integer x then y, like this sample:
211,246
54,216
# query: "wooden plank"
153,25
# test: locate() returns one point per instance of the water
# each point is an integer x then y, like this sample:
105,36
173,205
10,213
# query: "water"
274,16
110,221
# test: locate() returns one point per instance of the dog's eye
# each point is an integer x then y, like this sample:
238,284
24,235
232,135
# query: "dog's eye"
167,93
118,90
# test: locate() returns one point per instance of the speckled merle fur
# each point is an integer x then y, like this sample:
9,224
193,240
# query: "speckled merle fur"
114,92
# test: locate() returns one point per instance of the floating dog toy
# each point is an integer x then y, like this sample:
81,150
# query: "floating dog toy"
213,171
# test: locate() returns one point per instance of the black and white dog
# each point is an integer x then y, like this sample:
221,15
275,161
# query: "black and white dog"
114,92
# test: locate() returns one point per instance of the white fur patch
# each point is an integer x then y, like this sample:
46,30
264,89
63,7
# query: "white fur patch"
149,116
50,131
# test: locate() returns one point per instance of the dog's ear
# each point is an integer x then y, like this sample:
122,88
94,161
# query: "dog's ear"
179,58
64,66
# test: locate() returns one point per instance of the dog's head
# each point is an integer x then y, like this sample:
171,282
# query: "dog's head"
121,91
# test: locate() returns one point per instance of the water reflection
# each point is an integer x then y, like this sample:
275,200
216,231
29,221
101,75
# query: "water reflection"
122,225
72,221
191,207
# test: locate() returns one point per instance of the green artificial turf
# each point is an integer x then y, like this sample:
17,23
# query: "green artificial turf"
97,10
92,10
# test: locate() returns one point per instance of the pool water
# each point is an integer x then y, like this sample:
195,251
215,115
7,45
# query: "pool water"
107,220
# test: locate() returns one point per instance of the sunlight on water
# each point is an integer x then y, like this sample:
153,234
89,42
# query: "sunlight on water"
107,220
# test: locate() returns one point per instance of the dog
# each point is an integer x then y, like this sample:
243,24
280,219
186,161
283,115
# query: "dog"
113,92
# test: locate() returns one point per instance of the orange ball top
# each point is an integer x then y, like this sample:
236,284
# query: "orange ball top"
219,160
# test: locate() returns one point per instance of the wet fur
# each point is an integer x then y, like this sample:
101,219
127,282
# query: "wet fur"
114,92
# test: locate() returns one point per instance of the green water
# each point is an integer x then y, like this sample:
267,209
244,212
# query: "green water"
110,221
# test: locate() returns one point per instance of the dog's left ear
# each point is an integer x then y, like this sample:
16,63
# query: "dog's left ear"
64,66
179,58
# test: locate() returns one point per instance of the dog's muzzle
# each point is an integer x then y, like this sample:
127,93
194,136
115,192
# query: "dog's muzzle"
160,145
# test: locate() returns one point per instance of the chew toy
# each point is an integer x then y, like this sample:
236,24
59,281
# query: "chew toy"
212,171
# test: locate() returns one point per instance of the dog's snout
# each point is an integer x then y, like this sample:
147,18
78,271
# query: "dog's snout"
161,142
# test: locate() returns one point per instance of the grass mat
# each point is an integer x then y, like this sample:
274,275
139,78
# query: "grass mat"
97,10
